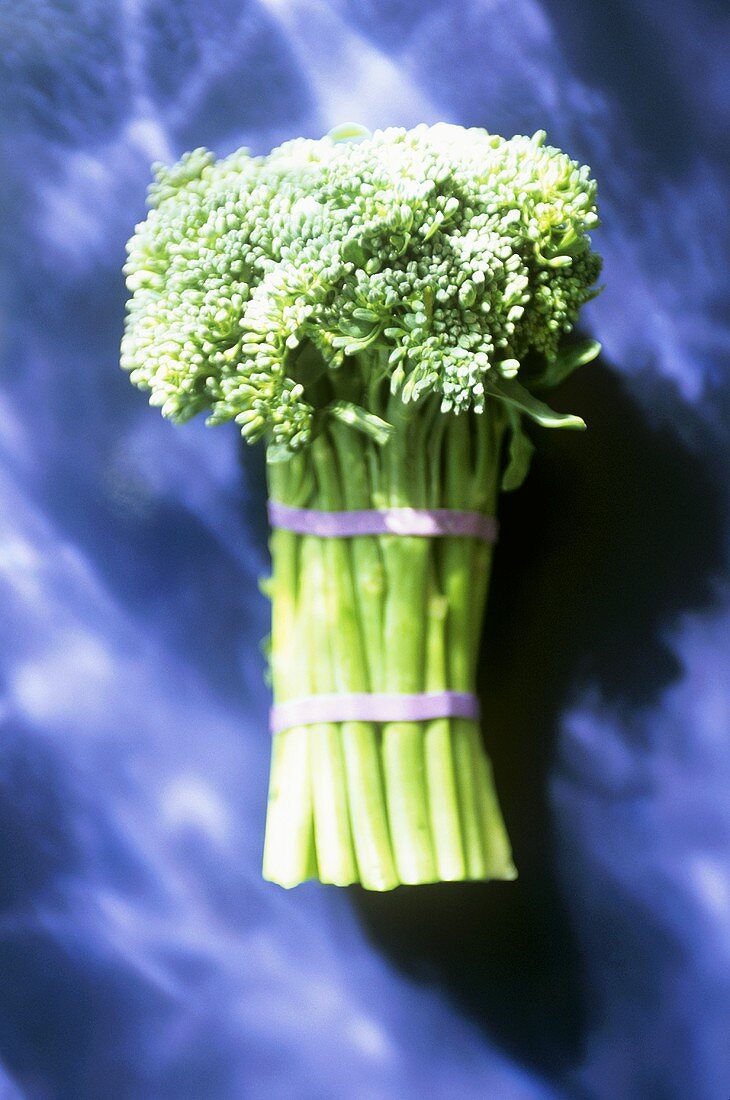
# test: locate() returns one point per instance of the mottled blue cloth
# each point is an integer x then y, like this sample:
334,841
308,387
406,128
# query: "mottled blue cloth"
141,955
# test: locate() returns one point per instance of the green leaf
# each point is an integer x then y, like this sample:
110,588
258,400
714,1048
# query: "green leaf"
567,360
278,452
353,253
306,366
362,420
521,450
266,650
516,395
266,586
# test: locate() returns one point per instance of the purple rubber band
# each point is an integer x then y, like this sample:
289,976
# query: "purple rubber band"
428,522
372,707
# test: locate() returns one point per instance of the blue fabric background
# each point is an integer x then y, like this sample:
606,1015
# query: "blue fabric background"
141,955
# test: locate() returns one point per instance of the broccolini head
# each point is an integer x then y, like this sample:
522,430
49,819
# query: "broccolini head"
437,260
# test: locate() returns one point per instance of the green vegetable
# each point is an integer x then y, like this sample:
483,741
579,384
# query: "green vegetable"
365,304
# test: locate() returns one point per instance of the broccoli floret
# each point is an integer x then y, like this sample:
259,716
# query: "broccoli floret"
440,259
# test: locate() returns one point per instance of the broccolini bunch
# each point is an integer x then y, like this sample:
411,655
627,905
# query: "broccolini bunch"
382,310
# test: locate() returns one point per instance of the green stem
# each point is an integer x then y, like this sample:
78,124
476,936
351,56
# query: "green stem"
457,557
498,851
489,430
489,442
406,560
359,740
466,574
366,562
443,793
289,856
332,833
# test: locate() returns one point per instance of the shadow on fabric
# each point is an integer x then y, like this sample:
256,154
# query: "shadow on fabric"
615,534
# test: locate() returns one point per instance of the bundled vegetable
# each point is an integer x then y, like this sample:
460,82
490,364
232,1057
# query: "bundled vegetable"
381,310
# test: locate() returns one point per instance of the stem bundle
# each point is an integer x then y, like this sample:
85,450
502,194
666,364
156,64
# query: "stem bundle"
398,802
